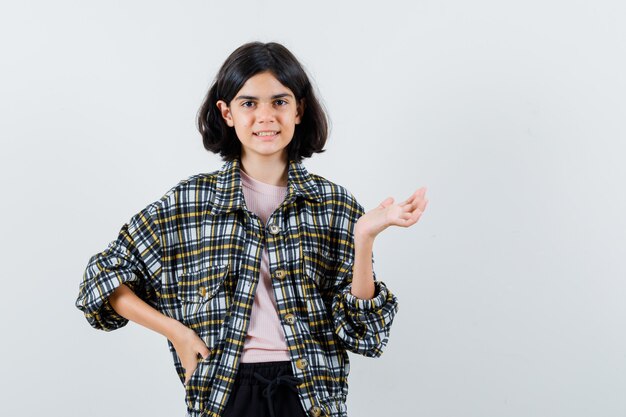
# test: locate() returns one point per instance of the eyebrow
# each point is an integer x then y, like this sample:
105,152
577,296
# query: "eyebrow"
256,98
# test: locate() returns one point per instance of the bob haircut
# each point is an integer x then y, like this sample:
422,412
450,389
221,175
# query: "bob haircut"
246,61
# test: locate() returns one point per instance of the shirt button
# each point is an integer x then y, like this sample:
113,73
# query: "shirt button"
302,363
274,228
202,291
280,273
290,318
315,411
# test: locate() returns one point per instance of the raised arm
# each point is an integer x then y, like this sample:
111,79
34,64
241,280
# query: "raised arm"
369,225
364,308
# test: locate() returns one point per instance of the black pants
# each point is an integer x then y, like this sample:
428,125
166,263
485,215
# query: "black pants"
264,389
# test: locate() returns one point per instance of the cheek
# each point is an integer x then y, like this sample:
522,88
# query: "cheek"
243,123
247,122
288,120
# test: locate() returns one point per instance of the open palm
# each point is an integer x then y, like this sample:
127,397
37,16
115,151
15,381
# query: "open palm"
388,213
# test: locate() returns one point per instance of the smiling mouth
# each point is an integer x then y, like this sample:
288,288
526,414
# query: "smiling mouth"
266,133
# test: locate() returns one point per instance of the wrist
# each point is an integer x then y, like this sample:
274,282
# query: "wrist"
363,238
172,328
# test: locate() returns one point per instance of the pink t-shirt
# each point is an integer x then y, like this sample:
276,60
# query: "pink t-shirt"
265,341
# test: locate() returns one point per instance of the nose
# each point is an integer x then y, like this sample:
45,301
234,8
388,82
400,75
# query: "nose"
265,112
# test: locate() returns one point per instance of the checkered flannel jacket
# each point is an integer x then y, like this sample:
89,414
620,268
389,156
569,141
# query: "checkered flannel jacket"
195,256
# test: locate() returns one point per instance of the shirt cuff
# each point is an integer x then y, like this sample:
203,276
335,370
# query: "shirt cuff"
359,305
103,316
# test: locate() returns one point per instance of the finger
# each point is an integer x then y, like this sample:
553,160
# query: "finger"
417,193
409,199
410,207
421,193
404,219
420,204
410,222
415,215
405,215
406,222
205,352
407,218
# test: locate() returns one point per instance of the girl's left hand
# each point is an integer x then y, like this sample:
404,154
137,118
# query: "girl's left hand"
388,213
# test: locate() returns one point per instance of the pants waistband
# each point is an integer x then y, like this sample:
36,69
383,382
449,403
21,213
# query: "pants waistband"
269,370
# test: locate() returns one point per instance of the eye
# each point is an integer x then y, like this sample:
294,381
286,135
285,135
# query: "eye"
245,103
281,102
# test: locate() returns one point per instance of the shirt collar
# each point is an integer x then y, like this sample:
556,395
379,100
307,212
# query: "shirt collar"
229,194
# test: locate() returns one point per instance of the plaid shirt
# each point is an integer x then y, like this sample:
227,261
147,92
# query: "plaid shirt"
195,256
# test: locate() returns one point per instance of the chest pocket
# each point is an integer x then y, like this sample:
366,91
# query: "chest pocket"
326,271
323,277
205,300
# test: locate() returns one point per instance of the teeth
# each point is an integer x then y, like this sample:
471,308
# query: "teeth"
266,133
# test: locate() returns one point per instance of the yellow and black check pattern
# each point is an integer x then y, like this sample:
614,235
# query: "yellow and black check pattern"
195,256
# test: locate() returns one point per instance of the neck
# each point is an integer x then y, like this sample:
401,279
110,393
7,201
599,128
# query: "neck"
268,169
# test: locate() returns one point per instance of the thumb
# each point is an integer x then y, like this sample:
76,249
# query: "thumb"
386,202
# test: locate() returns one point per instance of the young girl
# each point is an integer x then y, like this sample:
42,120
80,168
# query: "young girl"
260,274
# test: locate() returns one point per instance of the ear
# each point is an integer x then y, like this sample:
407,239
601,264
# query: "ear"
225,111
300,111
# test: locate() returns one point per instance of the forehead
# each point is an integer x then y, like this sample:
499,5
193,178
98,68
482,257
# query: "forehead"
263,84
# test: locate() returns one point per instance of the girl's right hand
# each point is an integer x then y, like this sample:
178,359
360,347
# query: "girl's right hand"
188,345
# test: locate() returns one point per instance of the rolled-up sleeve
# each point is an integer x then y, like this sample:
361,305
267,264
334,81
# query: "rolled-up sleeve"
133,259
363,325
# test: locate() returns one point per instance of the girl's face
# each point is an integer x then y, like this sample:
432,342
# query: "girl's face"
264,114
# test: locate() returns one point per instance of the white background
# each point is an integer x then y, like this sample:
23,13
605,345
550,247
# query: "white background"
512,285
